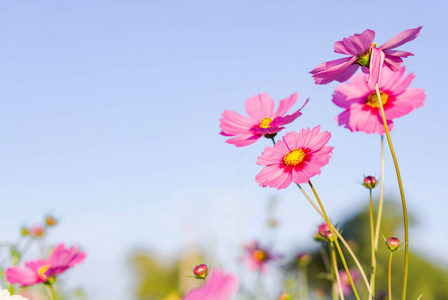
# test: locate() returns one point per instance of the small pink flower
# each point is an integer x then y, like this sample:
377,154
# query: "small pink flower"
345,282
40,271
296,158
262,119
257,257
363,52
360,101
219,286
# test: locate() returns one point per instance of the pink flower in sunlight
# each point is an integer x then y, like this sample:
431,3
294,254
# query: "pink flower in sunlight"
219,286
262,119
296,158
40,271
361,105
345,282
363,52
257,257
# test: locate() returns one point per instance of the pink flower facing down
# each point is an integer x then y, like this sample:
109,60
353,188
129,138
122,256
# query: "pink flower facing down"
41,271
361,105
363,52
345,282
262,119
296,158
219,286
257,257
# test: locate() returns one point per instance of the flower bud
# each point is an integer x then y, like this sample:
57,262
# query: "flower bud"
303,259
24,231
370,182
272,222
50,220
324,233
393,243
284,296
38,231
200,271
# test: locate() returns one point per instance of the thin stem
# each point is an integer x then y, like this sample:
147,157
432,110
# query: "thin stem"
51,291
335,272
303,273
380,205
323,254
272,138
361,270
335,241
403,201
372,275
390,277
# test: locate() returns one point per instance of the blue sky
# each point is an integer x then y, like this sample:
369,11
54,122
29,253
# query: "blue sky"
110,120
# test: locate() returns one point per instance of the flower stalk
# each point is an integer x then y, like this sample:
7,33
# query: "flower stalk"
372,238
335,241
334,264
403,201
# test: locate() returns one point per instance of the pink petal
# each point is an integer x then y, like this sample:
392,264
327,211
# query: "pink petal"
334,70
259,107
219,286
21,275
233,123
392,83
244,139
405,103
376,64
401,38
286,104
356,44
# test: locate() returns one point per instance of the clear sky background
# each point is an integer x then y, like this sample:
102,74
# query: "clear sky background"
110,120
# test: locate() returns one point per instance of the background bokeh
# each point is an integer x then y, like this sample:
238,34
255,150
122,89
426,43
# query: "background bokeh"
110,121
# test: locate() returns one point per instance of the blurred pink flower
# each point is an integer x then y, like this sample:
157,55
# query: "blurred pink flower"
40,271
257,257
296,158
360,101
363,52
345,282
262,119
218,286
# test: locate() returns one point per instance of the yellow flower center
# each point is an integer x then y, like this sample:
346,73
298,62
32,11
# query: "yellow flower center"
41,272
260,255
372,100
264,123
294,157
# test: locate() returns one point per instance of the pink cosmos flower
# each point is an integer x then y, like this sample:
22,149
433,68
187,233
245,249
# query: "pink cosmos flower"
262,119
219,286
296,158
363,52
257,257
345,282
360,101
40,271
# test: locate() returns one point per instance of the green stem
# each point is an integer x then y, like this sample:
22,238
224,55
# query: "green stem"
303,273
390,277
403,201
335,273
51,291
346,245
372,238
335,241
380,205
